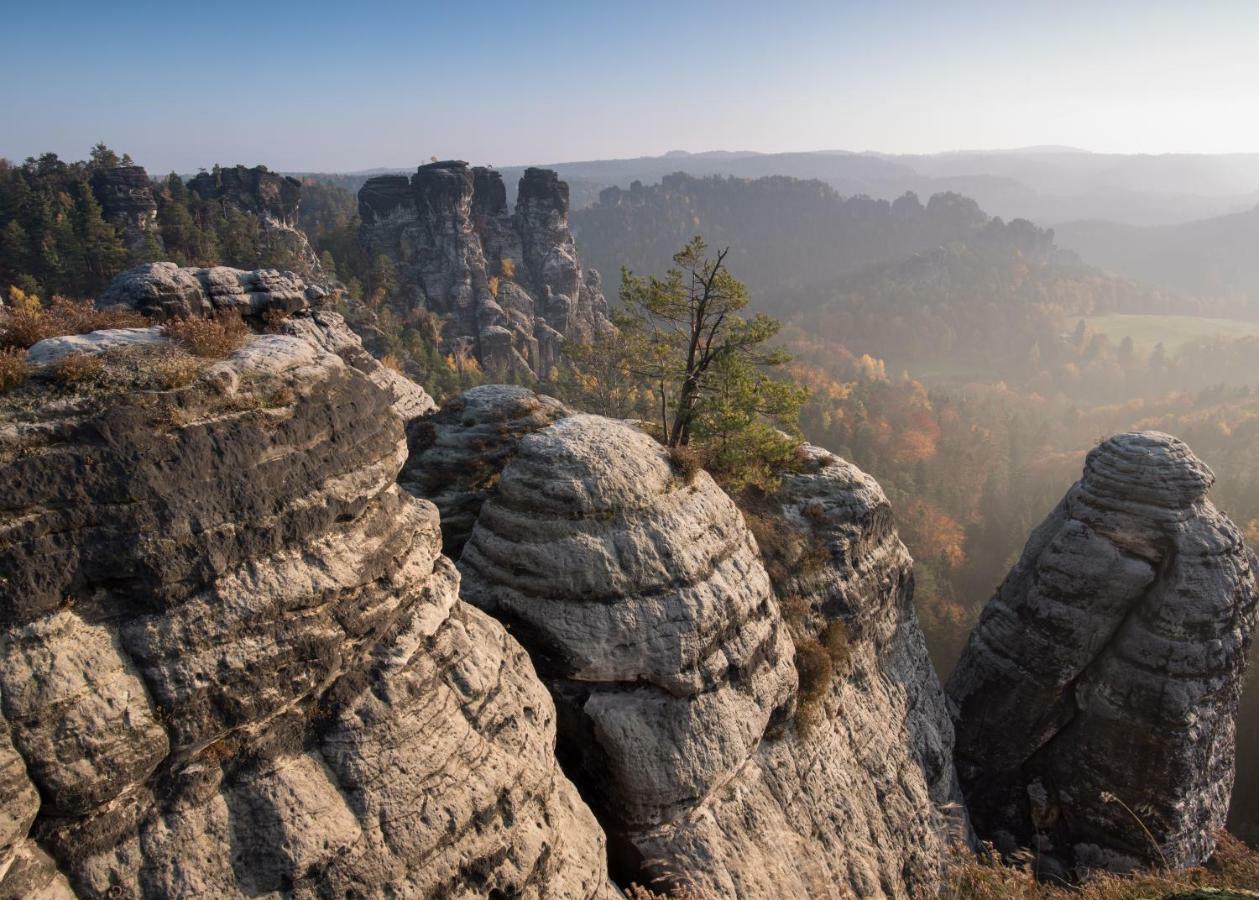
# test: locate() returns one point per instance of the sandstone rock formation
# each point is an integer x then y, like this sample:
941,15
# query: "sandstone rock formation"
854,799
649,614
125,194
263,298
270,197
457,454
233,661
164,290
1097,694
509,286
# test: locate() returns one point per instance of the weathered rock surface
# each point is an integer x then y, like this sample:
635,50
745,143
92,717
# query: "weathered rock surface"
270,197
264,298
457,454
1096,697
125,194
851,800
233,661
165,290
509,286
649,614
53,349
328,331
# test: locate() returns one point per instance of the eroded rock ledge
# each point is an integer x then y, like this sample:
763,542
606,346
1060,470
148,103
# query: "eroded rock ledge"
1097,694
233,661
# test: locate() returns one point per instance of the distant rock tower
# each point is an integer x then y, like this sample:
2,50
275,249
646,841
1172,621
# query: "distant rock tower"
1097,695
508,286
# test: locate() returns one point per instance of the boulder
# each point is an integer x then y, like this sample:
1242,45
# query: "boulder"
164,290
1096,697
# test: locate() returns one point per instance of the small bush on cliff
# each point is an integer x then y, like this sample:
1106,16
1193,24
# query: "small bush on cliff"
211,338
74,368
26,321
13,368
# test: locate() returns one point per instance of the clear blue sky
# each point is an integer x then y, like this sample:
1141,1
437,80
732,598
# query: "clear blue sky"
352,86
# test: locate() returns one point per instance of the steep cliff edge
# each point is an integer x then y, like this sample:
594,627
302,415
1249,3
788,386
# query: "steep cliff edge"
509,286
233,661
1097,694
645,604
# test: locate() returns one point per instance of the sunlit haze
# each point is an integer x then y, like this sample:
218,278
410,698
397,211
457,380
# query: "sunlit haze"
349,87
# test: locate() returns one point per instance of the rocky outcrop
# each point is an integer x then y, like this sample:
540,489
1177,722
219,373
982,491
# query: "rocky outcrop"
456,455
328,331
264,298
648,612
271,198
1096,697
233,661
125,194
258,191
855,798
509,286
165,290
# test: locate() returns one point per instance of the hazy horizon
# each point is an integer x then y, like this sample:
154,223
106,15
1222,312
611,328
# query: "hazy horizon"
305,89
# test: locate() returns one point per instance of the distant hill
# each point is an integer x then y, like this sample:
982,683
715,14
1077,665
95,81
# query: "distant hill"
1044,184
783,232
1213,257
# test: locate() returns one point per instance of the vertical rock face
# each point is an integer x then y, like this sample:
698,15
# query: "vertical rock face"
272,198
1096,697
648,612
851,799
125,194
233,661
510,286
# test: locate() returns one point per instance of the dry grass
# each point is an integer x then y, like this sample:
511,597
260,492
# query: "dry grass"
28,323
74,368
686,462
815,672
836,640
210,338
13,368
1234,867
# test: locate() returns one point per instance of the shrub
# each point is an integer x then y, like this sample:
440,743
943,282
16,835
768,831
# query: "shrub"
13,368
815,672
27,323
835,639
74,368
212,338
686,462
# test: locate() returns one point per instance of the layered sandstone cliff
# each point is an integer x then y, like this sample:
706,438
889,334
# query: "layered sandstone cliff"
509,286
233,661
675,660
1098,691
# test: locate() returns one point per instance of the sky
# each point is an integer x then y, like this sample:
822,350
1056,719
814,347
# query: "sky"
347,87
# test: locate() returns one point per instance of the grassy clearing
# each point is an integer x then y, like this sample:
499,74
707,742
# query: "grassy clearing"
1173,331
